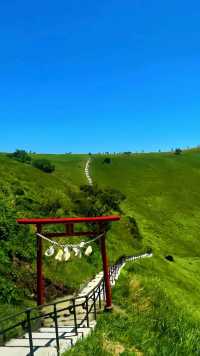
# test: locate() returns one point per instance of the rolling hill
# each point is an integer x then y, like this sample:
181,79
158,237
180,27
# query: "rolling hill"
156,302
26,191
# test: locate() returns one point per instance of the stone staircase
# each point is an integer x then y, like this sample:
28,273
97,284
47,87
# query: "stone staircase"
45,339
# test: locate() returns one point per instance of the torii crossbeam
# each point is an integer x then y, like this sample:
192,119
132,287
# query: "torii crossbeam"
69,231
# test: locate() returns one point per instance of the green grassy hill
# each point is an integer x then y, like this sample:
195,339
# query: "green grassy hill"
156,302
163,194
26,191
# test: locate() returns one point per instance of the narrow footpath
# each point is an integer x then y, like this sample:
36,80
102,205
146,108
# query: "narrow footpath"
87,172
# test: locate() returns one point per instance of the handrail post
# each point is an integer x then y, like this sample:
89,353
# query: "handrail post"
99,292
75,317
106,270
28,317
104,288
56,329
87,312
95,308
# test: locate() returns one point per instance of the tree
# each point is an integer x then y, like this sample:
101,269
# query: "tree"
92,201
20,155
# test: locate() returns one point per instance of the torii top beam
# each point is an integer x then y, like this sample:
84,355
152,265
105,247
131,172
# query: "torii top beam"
41,221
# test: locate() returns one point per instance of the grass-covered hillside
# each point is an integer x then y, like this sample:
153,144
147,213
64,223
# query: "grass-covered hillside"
163,194
26,191
156,302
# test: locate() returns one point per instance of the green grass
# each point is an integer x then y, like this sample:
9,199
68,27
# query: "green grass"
39,191
148,316
163,194
69,174
156,302
32,193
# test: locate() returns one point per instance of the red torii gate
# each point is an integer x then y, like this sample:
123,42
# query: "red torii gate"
69,232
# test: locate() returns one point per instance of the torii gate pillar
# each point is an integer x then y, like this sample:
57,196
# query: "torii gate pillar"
40,278
106,274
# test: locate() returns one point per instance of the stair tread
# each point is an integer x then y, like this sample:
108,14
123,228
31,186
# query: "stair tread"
25,351
36,342
51,335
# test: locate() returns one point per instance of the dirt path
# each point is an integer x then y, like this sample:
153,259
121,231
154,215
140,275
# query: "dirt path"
87,172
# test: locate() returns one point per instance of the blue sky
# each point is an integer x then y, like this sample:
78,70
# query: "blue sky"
99,75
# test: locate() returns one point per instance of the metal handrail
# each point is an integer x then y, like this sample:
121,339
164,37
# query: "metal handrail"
37,308
92,296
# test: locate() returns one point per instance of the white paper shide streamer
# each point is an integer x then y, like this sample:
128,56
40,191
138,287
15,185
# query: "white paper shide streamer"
50,252
66,255
65,252
88,251
59,255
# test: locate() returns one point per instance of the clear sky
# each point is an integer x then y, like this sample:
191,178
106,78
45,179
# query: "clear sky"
95,76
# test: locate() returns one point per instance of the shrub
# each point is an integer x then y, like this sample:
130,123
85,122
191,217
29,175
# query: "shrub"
178,151
16,244
133,227
149,249
107,160
44,165
20,155
92,201
128,153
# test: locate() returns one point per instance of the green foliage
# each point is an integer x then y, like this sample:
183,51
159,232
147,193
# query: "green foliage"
20,155
135,232
15,243
177,151
92,201
145,318
107,160
44,165
133,226
127,153
10,294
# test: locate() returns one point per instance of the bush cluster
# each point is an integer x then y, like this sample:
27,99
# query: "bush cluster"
107,160
20,155
178,151
43,164
93,201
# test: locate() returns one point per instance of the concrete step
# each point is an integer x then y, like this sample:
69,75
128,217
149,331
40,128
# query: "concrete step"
51,335
38,342
66,329
25,351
